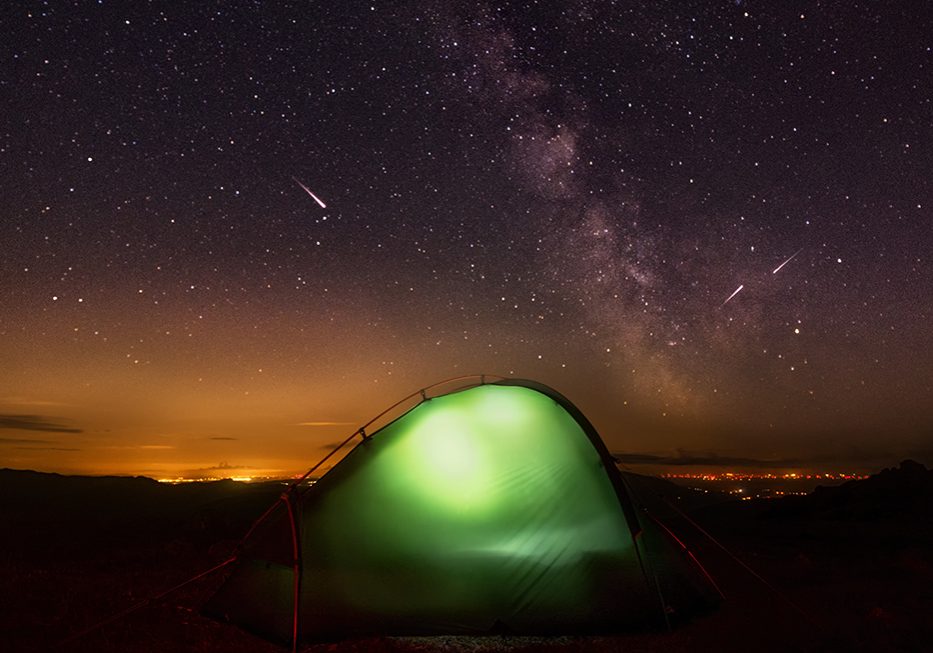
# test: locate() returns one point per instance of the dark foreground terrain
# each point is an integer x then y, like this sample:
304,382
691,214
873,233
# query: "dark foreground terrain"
848,568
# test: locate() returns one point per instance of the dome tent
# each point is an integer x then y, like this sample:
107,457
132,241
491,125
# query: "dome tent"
494,507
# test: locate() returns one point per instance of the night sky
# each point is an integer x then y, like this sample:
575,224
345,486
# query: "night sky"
572,192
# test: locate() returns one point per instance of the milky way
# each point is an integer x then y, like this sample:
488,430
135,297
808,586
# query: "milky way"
565,191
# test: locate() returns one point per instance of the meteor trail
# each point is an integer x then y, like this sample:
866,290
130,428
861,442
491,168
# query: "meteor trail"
778,268
313,196
737,291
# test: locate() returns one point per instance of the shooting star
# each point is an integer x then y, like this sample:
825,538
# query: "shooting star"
737,291
778,268
313,196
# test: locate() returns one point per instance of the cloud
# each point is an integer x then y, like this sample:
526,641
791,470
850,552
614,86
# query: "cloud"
709,460
223,465
34,423
325,424
853,459
334,445
47,448
25,401
221,437
24,441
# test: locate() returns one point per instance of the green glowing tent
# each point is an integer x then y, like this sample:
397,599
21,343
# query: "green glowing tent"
490,509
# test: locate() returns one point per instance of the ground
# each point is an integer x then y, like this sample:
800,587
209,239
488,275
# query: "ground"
840,570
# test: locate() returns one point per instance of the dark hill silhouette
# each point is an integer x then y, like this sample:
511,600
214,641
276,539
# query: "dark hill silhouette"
902,494
657,494
901,491
48,514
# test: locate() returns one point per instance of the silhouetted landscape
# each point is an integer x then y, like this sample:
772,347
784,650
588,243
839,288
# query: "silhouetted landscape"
844,568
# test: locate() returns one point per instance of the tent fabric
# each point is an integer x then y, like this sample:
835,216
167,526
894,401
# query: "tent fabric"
491,509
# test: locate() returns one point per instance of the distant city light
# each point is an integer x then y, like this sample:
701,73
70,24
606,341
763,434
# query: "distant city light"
754,485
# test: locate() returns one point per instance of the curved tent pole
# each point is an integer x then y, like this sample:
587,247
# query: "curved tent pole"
296,565
618,483
292,505
423,392
623,492
361,431
323,460
647,568
293,485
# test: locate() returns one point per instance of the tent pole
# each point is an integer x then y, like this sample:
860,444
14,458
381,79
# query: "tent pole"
648,572
647,568
296,569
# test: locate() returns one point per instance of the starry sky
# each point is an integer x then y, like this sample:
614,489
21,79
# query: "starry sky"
706,223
